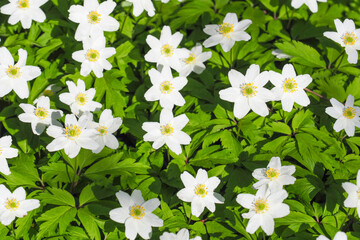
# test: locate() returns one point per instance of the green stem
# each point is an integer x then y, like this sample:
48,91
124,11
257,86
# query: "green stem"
341,59
347,216
329,66
123,23
290,19
231,58
189,220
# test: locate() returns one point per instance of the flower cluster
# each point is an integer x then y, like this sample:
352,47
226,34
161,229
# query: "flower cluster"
166,54
248,92
267,203
93,19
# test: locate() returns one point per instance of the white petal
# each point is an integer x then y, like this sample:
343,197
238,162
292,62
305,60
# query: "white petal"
245,200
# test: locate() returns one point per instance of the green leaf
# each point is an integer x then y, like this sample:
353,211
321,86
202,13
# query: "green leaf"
55,221
302,54
57,196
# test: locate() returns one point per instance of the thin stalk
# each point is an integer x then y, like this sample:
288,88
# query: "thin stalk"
123,23
329,66
231,58
347,216
189,218
341,59
311,91
290,19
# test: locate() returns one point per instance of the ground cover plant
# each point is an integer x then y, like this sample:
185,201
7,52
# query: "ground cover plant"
194,119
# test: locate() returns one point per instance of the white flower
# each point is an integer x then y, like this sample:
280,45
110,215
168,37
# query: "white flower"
194,61
136,214
280,54
165,88
168,131
264,207
24,11
247,92
73,137
347,116
200,191
40,116
94,55
141,5
289,88
274,176
15,76
78,99
183,234
227,33
164,51
338,236
312,4
353,191
14,204
105,128
347,36
6,152
93,18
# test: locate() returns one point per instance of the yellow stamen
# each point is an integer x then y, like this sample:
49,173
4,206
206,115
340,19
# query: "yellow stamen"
349,38
81,99
41,113
72,132
166,87
94,17
272,173
226,29
201,190
191,58
102,130
137,212
261,206
167,50
249,90
12,204
167,130
13,71
290,85
349,112
92,55
23,4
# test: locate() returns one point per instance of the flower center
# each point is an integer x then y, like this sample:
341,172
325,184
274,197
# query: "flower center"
349,38
94,17
349,113
92,55
12,204
102,130
358,193
13,71
290,85
272,173
41,113
23,4
226,29
137,212
166,87
261,206
167,50
201,190
167,130
81,99
249,90
72,132
191,59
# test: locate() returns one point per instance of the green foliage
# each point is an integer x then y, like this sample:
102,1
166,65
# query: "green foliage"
77,194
